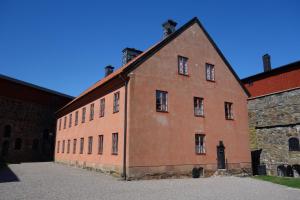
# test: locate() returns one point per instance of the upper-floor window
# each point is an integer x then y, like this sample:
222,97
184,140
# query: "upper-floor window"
115,143
57,148
68,146
59,124
83,114
294,144
90,144
102,107
210,72
100,144
228,110
91,111
74,146
116,102
65,122
81,145
76,118
199,143
198,106
182,65
161,101
70,120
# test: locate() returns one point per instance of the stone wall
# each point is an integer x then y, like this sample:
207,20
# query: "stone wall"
273,119
28,121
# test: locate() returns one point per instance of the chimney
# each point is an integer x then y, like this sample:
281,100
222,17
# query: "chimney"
169,27
129,54
108,70
267,62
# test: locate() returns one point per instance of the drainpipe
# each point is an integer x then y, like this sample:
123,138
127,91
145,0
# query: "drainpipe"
125,128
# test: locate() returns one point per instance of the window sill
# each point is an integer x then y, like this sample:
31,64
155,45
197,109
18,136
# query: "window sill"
89,153
162,111
213,81
203,154
100,153
114,154
187,75
202,116
229,119
101,116
115,112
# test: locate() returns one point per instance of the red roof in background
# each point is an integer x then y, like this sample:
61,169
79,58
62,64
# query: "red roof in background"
279,79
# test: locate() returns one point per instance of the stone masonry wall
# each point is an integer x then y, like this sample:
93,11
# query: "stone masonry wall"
28,121
273,120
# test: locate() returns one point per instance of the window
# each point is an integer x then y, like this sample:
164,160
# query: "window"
18,144
228,110
198,106
161,101
83,115
63,147
68,146
115,143
81,145
57,148
182,65
74,146
65,122
91,112
199,144
90,144
102,107
59,126
294,144
116,102
210,72
100,144
76,118
70,120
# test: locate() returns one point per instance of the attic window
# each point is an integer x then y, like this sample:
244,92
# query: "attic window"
182,65
210,72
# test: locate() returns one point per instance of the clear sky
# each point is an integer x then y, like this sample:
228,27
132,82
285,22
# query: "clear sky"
65,45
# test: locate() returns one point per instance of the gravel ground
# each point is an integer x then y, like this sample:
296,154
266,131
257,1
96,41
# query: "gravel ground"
54,181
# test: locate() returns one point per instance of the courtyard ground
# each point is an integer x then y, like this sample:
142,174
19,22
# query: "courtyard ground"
52,181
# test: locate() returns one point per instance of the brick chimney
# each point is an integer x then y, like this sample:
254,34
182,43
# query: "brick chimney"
108,70
129,54
169,27
267,62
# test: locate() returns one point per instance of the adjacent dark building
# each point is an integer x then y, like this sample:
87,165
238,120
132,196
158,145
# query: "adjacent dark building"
27,120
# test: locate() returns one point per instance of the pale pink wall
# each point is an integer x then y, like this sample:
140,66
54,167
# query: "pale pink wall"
158,139
110,123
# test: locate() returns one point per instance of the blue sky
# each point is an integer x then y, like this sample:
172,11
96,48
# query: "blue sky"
65,45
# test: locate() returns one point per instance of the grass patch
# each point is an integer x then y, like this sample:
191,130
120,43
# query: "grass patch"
290,182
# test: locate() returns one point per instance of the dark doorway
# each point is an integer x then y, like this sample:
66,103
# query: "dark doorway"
255,158
5,148
221,155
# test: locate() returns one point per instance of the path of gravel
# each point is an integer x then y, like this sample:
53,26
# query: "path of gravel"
50,181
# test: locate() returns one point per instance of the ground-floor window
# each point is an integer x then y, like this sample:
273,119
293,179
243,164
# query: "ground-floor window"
199,143
90,144
100,144
81,145
74,146
115,143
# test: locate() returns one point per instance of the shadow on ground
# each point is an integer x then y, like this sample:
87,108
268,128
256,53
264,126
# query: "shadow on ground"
7,175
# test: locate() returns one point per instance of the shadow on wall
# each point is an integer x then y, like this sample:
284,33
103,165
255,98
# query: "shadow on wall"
6,174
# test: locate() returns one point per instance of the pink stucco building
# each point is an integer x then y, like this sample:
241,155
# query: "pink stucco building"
175,107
